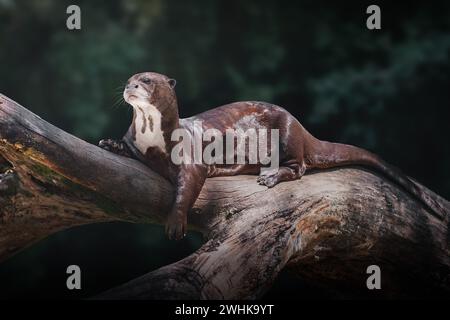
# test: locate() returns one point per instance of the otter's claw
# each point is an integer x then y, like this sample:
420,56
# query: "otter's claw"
109,144
117,147
103,145
176,227
269,180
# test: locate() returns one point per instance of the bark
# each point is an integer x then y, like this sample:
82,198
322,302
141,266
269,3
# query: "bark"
327,228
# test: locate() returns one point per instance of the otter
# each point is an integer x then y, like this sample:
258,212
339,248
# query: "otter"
155,117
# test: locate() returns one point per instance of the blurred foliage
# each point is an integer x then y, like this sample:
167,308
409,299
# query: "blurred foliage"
385,90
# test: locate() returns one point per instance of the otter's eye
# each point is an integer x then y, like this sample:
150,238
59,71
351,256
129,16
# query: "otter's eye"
146,80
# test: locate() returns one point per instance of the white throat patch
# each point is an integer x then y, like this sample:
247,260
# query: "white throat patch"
148,128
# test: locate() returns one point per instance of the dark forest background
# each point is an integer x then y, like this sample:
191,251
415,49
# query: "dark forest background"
385,90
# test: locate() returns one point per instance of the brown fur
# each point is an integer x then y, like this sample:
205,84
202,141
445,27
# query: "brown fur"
299,150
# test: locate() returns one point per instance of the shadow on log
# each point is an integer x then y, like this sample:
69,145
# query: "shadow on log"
327,227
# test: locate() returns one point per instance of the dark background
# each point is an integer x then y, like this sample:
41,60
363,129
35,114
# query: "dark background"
385,90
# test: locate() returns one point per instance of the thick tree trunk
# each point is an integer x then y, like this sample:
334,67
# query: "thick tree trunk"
327,227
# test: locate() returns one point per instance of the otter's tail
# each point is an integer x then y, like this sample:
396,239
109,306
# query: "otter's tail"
327,155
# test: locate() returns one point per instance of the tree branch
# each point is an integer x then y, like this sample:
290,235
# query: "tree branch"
327,227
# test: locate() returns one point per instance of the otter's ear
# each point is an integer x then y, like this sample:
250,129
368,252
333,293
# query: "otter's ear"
172,83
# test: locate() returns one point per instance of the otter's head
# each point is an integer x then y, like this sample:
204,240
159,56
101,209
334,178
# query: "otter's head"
150,88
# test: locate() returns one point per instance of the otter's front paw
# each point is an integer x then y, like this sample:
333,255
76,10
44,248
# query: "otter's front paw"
114,146
109,144
176,226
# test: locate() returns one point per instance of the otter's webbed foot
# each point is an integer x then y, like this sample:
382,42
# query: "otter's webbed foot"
269,179
114,146
273,177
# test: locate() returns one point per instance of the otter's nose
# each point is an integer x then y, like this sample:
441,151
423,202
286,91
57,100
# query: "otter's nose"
132,85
